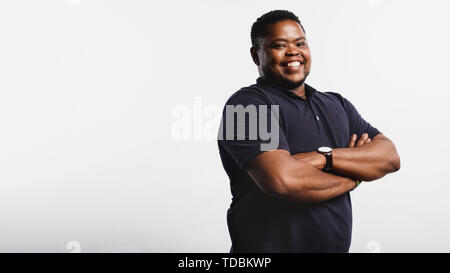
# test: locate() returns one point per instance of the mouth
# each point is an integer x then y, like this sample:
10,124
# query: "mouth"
294,66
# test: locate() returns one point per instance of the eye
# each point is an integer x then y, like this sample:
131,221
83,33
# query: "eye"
278,46
301,44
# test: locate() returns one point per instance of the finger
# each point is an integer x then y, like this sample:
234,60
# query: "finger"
351,144
368,140
362,139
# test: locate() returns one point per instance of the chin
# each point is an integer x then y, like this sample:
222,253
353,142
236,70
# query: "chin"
293,83
297,80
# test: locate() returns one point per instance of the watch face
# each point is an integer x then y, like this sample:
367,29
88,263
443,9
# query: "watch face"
324,150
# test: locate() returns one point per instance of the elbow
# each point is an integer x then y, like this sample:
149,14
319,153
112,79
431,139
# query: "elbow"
388,166
277,185
395,163
278,188
285,183
288,189
274,183
394,159
391,165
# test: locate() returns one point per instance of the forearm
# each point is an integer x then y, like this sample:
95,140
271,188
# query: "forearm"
315,186
367,163
279,174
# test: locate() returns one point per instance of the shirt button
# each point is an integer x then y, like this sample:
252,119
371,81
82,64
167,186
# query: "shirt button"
317,117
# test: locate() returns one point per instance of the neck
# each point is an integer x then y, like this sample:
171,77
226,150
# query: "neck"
300,91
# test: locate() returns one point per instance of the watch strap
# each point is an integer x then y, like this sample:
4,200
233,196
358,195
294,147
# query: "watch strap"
329,161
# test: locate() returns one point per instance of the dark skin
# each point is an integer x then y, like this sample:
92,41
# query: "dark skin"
300,177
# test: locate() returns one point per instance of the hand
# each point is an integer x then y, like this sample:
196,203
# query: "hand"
314,158
364,139
357,183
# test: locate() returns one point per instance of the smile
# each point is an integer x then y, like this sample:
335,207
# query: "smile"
294,64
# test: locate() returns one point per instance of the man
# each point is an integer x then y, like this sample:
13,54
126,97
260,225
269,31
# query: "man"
295,196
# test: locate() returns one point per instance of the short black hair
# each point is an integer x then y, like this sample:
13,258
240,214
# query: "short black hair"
271,17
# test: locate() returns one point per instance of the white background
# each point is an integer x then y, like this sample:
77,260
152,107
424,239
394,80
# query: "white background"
89,96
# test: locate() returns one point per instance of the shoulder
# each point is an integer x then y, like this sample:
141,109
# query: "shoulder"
335,97
344,102
324,94
249,95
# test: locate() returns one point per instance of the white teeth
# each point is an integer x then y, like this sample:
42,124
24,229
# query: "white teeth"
294,64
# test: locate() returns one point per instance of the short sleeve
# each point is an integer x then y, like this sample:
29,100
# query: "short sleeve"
250,125
358,125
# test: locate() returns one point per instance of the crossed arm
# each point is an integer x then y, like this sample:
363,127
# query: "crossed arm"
299,177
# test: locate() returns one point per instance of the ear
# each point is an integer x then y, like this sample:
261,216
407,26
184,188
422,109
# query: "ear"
254,54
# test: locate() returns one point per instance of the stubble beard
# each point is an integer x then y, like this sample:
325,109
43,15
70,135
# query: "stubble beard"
292,85
289,85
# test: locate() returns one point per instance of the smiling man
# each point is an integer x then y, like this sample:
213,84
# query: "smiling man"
295,197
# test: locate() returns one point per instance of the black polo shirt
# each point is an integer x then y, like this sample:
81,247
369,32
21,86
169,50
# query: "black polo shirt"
258,222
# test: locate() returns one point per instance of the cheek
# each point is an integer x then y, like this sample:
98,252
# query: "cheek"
275,57
273,66
268,60
307,54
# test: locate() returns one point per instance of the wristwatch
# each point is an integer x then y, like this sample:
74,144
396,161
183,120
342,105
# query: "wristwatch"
328,153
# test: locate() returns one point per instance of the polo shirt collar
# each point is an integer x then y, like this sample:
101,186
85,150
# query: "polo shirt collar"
310,91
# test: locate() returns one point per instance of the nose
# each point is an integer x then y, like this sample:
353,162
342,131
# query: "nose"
292,51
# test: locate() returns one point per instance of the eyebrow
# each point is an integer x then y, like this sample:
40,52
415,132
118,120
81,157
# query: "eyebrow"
284,40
